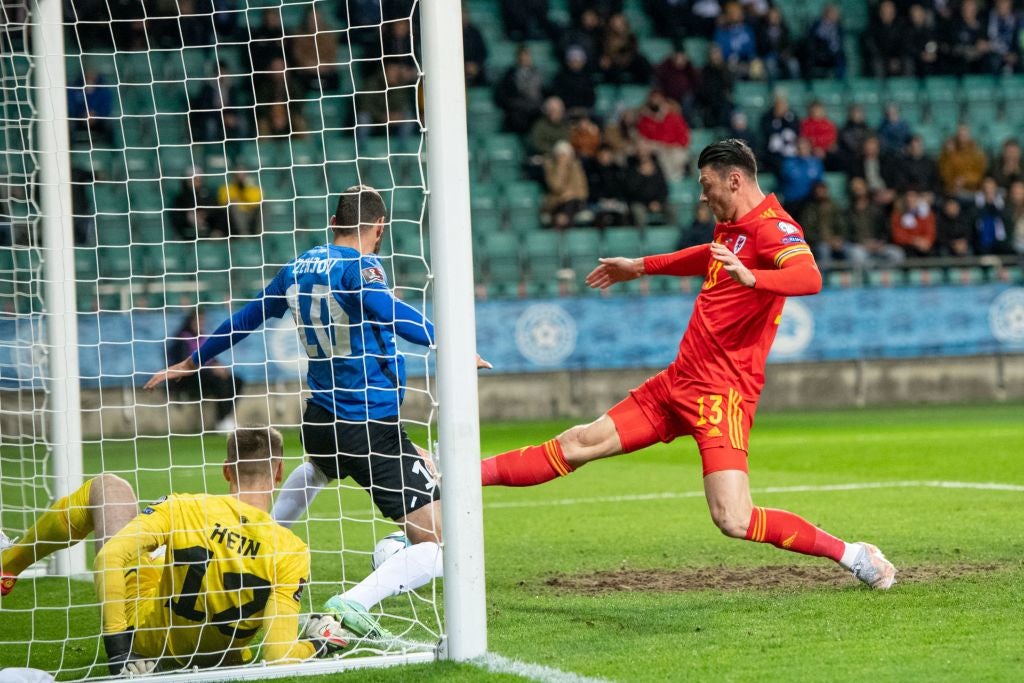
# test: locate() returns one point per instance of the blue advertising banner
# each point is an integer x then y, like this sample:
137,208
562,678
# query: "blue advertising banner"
572,333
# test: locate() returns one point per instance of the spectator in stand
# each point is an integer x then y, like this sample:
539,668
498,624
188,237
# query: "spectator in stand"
274,121
825,56
1008,169
825,229
567,186
90,106
386,102
603,8
916,168
739,128
222,110
585,35
196,211
313,53
679,80
396,41
962,164
606,181
894,133
574,83
621,60
990,233
525,19
267,43
913,224
736,39
549,129
214,381
717,84
697,231
195,23
868,226
878,170
277,86
670,19
704,17
620,134
585,137
953,228
1004,27
922,42
520,93
660,122
474,51
775,46
966,47
820,131
646,189
83,213
884,44
780,129
1015,216
242,197
799,173
851,137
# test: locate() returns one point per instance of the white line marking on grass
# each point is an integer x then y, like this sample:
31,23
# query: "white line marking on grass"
676,495
498,664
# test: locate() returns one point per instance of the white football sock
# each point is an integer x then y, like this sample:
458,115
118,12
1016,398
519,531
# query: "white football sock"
406,570
849,555
297,492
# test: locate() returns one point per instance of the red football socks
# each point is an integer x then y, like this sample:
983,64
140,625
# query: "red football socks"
791,532
526,466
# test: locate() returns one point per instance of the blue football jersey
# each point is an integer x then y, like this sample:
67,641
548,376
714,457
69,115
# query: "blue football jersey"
347,319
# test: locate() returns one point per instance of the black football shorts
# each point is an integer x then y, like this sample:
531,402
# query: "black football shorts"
377,454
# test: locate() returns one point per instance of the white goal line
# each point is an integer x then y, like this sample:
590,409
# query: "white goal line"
676,495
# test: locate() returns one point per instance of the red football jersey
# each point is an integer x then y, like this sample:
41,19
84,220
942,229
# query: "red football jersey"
732,327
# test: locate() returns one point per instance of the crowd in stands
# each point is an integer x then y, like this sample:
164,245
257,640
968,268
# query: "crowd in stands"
606,168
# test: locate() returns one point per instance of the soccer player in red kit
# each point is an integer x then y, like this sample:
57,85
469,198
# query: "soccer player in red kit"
757,258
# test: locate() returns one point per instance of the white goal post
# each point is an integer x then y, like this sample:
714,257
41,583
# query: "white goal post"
48,383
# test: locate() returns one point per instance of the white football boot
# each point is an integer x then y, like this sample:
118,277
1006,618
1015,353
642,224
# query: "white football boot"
871,567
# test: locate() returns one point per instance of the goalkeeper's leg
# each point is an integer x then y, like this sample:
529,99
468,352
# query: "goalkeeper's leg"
104,504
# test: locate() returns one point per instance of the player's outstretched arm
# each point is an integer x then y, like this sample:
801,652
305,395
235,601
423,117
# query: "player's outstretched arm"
797,275
682,263
613,270
173,374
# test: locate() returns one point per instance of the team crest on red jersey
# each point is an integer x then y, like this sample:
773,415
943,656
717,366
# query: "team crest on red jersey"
740,241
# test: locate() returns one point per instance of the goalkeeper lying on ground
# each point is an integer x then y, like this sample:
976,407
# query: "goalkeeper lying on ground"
228,569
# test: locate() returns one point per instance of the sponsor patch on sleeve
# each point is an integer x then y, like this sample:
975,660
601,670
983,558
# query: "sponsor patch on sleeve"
373,275
149,508
298,594
793,239
788,228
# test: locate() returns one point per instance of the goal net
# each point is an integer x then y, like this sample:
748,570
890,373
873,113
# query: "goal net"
207,145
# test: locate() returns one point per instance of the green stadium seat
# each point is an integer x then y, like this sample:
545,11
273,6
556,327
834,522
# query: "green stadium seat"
944,114
110,197
142,163
147,228
752,95
685,190
941,89
212,254
407,204
214,286
979,88
828,91
86,267
179,257
902,89
278,248
581,248
245,252
837,183
145,195
176,161
543,255
660,240
622,241
486,214
980,115
864,91
701,138
999,132
114,262
696,50
501,254
522,199
310,181
656,49
278,216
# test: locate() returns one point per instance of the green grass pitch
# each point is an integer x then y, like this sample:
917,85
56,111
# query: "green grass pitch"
616,571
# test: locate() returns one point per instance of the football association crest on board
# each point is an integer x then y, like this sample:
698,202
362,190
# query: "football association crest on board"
740,241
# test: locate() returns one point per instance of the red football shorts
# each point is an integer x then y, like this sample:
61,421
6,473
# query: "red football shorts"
664,408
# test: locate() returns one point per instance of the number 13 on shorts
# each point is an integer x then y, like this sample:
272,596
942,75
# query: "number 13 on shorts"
714,409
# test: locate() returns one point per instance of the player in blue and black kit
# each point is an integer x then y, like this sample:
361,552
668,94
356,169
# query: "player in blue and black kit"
347,319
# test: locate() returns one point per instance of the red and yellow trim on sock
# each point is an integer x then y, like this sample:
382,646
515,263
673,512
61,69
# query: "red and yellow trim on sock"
553,451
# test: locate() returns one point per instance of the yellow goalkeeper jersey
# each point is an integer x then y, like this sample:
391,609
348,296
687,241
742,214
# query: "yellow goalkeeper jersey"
228,571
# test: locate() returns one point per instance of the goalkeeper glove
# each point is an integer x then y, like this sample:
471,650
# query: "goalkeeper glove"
325,633
120,658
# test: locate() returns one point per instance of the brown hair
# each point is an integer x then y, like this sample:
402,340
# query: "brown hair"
254,451
359,207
